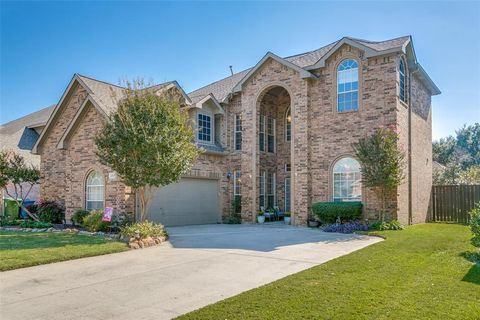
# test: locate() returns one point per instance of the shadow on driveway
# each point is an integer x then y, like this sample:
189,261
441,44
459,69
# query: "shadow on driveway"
263,238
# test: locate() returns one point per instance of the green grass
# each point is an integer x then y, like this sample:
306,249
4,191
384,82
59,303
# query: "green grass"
22,249
423,272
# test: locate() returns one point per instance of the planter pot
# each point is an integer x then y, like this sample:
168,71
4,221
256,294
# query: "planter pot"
260,219
313,223
287,220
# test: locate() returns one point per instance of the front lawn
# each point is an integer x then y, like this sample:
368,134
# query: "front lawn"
423,272
24,249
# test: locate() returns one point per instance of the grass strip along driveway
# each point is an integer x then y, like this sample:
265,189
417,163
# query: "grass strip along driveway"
424,272
24,249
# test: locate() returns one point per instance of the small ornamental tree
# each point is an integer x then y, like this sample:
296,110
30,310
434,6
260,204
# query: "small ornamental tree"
21,176
382,163
148,142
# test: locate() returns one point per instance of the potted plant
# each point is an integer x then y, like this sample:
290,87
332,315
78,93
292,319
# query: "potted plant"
287,217
313,223
260,217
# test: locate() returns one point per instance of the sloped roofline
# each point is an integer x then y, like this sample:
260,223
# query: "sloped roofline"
97,103
302,72
210,96
75,79
369,52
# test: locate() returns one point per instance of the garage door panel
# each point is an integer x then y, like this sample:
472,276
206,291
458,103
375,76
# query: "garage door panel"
190,201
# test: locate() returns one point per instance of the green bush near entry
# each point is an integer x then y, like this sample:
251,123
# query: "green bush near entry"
329,212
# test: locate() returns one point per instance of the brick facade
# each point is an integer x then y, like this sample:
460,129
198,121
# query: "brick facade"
320,135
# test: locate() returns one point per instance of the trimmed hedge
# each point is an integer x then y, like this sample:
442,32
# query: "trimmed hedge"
328,212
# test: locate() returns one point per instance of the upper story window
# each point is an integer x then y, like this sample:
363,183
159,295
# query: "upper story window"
288,126
270,135
403,82
347,185
204,127
347,86
238,132
261,133
94,191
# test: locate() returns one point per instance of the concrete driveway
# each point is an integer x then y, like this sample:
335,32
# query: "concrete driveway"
199,266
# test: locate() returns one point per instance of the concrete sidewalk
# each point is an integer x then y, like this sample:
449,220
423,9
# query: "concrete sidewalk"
199,266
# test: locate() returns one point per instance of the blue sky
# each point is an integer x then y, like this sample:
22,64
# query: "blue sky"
44,43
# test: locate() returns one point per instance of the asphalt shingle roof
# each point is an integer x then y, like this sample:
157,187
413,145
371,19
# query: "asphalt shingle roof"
222,88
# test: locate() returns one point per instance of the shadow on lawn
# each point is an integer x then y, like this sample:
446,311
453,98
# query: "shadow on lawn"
473,275
24,240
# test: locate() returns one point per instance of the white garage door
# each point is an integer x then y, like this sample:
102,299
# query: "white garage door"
190,201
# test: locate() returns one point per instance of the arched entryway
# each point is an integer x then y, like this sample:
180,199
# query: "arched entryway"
274,135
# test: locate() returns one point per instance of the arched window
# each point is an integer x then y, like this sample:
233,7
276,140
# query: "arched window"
347,184
94,191
347,86
288,126
403,83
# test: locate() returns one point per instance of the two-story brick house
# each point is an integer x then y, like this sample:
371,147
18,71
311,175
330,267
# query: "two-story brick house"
280,133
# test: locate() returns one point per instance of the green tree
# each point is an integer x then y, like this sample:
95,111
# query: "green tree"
382,164
21,176
148,142
470,176
463,149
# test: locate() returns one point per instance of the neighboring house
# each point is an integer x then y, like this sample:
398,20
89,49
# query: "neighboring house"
280,133
20,136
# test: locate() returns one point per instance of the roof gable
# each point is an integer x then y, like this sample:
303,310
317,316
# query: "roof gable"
370,48
302,72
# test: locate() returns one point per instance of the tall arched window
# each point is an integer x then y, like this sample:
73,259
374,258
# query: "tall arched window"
94,191
403,83
347,184
288,126
347,86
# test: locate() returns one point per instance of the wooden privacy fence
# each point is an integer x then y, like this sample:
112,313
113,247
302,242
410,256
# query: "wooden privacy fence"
452,203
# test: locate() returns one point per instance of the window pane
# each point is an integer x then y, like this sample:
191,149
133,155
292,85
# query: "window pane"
204,127
347,85
347,180
94,191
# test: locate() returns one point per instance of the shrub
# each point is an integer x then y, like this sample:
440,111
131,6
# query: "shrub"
93,222
348,227
381,226
475,224
144,229
32,208
79,215
35,224
234,219
328,212
50,211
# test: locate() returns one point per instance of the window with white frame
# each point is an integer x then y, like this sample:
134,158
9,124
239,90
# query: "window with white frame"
261,199
270,135
204,125
288,167
238,132
94,191
347,86
403,83
237,186
287,194
347,183
288,126
261,133
271,199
